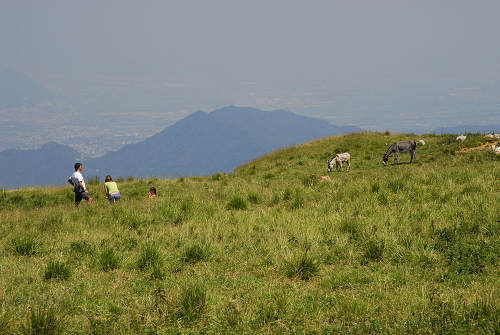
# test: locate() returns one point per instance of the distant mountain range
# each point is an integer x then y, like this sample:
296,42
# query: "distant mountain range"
200,144
49,165
18,90
492,128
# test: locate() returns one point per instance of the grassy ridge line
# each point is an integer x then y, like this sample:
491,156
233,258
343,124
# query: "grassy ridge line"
379,249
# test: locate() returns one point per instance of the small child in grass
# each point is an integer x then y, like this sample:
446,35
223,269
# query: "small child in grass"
152,192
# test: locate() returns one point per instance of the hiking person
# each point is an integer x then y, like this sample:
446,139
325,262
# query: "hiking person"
76,179
111,189
152,192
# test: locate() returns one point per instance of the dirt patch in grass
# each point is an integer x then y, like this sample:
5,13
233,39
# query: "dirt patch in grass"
479,147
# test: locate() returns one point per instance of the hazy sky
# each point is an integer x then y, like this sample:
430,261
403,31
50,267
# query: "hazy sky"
371,63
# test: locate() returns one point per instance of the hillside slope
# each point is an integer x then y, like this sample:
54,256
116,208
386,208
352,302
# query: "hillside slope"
204,143
267,249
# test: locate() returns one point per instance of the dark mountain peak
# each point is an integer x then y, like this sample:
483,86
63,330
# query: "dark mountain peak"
198,113
194,117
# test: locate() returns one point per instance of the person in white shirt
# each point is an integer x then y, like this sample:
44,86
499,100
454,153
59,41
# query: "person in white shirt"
76,179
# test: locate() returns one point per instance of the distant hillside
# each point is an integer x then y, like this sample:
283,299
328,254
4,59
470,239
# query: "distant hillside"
468,129
49,165
17,90
204,143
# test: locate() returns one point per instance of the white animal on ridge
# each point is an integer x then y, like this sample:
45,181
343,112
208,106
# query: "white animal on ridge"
461,138
338,160
492,136
421,142
495,149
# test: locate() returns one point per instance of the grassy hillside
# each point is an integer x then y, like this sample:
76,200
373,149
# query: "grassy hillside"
268,249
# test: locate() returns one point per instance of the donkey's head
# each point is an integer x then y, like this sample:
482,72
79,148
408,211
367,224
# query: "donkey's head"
385,159
330,165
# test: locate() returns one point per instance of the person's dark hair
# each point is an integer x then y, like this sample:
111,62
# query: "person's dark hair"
77,166
108,178
152,190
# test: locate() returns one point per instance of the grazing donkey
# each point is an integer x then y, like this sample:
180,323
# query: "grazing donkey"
402,146
338,160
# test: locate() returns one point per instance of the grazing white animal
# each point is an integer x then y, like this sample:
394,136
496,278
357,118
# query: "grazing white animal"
421,142
461,138
497,136
338,160
495,149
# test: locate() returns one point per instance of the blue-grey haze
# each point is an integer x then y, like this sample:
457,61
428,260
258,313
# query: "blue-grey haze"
140,65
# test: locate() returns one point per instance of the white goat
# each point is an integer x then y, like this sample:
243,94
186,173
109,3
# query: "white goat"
497,136
421,142
461,138
338,160
495,149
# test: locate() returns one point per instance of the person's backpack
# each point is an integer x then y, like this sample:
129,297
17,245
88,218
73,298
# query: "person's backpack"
77,188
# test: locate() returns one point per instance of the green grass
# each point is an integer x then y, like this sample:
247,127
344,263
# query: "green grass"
394,249
302,266
237,202
192,302
42,322
109,259
57,270
25,245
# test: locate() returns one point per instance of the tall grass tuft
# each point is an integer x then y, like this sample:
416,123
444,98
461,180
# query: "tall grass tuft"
287,194
373,252
309,181
53,221
109,260
254,198
196,252
192,301
302,266
298,200
237,203
271,310
42,322
4,321
150,256
468,257
25,245
350,225
218,176
157,271
57,270
81,247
